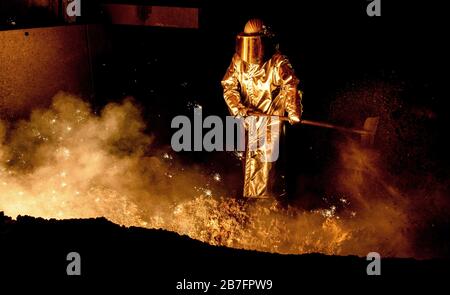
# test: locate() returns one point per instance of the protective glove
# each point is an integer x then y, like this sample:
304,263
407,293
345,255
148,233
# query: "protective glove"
294,120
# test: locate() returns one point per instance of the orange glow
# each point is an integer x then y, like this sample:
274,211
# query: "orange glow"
67,162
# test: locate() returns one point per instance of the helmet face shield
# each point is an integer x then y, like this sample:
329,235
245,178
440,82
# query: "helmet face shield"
249,47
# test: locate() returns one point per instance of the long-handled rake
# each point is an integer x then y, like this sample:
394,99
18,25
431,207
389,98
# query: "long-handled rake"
367,133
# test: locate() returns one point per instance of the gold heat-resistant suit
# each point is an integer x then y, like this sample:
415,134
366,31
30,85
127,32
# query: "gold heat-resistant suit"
268,87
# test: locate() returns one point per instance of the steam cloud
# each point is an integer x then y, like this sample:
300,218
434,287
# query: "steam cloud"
69,162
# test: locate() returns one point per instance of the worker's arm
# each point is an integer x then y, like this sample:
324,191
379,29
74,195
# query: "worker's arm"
289,93
231,89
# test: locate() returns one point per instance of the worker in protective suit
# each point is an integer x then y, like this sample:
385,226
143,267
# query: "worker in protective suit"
260,84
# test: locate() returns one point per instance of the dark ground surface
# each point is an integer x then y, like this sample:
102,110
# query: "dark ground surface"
34,249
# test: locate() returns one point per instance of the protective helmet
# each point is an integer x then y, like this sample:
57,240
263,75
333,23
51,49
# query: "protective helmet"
253,44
